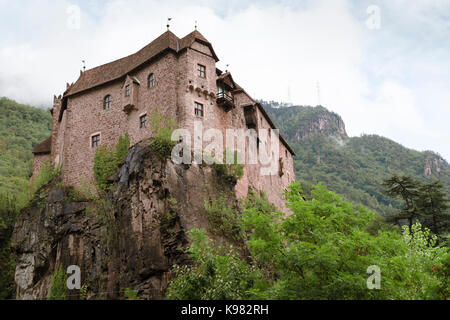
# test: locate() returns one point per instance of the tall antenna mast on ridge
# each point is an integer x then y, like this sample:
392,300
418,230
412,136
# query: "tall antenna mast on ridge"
318,93
289,96
196,24
168,23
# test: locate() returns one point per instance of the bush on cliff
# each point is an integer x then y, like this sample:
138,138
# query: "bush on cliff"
162,127
58,290
217,274
224,219
107,160
230,172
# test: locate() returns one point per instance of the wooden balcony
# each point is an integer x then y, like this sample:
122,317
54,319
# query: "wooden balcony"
225,100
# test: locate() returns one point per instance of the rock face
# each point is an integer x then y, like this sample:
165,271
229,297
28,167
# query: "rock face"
434,164
129,241
326,123
300,122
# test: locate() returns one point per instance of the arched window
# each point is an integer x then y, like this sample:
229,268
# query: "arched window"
151,80
107,102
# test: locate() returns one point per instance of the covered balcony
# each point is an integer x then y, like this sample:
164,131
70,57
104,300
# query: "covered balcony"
225,100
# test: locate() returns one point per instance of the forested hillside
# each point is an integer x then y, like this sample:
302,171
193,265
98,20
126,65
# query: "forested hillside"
21,128
351,166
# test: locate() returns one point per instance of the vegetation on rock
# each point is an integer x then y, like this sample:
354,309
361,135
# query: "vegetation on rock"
58,290
321,251
107,159
162,127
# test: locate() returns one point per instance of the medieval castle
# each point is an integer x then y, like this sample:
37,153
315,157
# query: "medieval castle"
176,76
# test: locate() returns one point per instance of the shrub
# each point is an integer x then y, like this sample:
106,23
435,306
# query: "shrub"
84,292
122,147
230,173
107,160
105,165
217,274
46,174
131,294
162,127
224,219
59,285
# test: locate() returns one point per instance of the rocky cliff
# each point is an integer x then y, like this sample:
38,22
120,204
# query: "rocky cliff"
128,240
299,123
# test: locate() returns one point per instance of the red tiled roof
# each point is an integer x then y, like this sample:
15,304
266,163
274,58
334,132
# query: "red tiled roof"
117,69
188,40
43,148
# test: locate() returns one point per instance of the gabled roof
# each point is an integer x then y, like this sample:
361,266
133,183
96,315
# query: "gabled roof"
228,79
188,40
44,148
120,68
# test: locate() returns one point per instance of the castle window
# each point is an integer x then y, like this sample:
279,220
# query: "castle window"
127,90
107,102
201,71
151,80
199,109
143,121
280,167
95,141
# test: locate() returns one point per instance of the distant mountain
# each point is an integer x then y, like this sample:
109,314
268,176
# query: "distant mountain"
22,127
351,166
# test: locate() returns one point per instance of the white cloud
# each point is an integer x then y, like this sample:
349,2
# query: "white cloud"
270,47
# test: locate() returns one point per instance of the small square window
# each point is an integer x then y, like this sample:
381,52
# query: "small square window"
127,90
95,141
143,121
199,109
201,71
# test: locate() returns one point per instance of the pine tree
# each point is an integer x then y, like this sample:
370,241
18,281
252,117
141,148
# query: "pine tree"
406,188
433,204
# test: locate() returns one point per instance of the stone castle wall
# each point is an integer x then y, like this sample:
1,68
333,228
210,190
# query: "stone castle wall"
177,88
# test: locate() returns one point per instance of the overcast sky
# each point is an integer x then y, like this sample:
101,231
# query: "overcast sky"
384,66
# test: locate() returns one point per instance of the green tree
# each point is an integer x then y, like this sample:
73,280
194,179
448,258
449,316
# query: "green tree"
432,202
320,251
406,188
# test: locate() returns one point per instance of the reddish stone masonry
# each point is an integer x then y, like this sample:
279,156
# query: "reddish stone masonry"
173,75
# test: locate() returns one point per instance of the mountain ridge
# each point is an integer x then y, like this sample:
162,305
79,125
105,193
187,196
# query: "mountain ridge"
351,166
